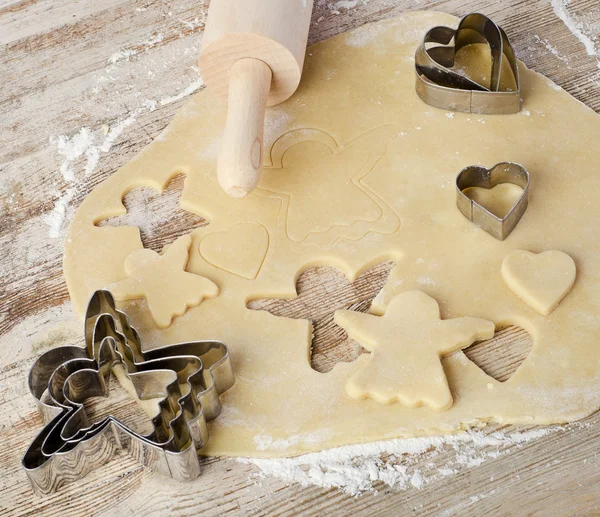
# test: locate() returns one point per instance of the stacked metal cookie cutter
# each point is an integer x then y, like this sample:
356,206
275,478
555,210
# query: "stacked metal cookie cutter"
440,86
69,446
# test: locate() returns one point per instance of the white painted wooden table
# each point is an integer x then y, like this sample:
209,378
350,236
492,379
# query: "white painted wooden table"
110,74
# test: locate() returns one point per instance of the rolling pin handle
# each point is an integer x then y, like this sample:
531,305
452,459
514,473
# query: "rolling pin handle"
240,161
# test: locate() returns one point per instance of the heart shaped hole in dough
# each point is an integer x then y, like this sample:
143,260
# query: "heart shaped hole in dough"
500,356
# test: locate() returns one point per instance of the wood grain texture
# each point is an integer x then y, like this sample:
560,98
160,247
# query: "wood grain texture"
121,68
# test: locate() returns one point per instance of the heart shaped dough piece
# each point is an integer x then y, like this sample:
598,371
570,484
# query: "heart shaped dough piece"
240,251
541,281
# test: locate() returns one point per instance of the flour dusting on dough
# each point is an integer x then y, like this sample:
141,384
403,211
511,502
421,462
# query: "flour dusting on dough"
266,442
407,30
401,464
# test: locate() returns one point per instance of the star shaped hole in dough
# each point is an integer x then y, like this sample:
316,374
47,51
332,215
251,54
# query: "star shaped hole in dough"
163,281
407,344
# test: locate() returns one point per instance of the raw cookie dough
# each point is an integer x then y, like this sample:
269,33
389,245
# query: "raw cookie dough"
406,345
541,281
163,282
353,84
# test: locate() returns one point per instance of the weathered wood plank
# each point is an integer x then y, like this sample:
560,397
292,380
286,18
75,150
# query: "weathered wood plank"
122,65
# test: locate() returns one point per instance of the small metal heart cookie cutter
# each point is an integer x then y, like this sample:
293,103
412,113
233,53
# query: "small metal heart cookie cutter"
69,447
440,86
476,176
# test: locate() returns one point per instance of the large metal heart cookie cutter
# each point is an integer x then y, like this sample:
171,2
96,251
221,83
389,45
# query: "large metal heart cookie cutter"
476,176
440,86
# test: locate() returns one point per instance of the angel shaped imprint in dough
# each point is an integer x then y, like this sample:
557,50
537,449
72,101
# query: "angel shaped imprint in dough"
308,163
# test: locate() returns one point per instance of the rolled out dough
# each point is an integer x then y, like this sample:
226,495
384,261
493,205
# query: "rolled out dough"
356,116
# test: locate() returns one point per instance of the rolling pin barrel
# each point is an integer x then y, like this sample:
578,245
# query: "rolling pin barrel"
252,56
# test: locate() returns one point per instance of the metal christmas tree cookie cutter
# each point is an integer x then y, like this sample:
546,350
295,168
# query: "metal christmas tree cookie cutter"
477,176
440,86
61,379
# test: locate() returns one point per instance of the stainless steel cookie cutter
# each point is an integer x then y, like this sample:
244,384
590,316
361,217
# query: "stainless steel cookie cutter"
476,176
69,447
440,86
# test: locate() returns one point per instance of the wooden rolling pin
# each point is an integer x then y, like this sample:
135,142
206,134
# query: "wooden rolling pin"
252,54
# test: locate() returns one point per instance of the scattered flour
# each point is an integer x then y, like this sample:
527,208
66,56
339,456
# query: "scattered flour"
194,87
362,36
425,280
119,56
577,27
56,218
154,40
265,442
116,130
89,144
343,4
72,148
550,48
276,120
400,464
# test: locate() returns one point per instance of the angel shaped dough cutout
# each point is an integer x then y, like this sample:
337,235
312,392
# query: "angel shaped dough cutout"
406,345
163,281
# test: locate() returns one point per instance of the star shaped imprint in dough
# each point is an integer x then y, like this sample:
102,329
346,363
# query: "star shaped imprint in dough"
163,281
406,345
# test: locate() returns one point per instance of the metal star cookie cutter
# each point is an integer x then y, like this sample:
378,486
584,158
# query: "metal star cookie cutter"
476,176
68,447
440,86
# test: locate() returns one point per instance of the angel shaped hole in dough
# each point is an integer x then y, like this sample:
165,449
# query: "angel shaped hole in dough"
322,290
158,216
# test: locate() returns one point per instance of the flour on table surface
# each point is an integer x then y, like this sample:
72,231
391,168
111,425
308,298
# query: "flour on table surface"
84,147
192,88
580,27
550,48
401,464
56,217
342,4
